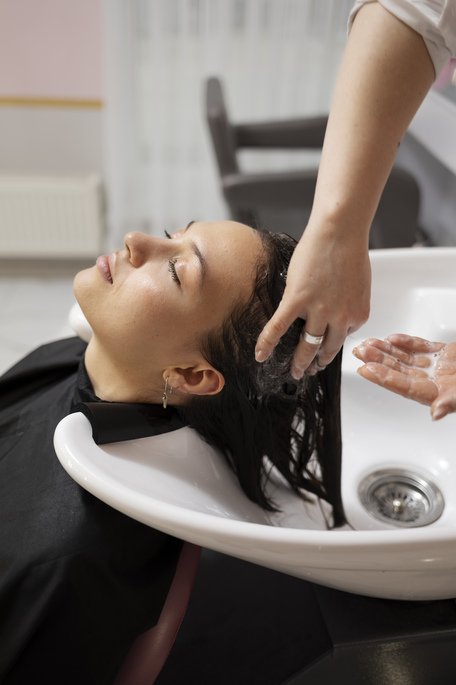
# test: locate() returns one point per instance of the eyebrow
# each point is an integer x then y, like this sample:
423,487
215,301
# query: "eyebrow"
197,252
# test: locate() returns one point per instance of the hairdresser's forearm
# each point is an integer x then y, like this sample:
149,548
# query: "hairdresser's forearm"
385,74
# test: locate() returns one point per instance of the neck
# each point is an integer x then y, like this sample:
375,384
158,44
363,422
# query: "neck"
115,382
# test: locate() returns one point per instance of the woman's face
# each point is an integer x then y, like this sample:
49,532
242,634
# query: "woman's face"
153,300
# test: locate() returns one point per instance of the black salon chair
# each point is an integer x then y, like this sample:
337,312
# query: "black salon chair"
282,200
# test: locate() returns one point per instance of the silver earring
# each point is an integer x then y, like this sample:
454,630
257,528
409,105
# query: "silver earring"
167,391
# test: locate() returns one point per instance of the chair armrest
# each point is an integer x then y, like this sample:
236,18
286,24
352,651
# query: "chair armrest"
293,189
289,133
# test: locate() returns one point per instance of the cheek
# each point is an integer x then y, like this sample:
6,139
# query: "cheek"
142,313
159,309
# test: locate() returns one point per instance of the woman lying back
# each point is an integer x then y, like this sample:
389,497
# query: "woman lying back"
175,323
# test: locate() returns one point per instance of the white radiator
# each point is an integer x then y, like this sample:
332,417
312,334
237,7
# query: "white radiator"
46,216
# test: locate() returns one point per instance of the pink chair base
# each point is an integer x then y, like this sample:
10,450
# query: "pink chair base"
150,650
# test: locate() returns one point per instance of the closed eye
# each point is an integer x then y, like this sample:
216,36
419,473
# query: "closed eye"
173,272
172,263
196,251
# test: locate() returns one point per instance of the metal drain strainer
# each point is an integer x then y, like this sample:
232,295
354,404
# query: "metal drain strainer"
401,498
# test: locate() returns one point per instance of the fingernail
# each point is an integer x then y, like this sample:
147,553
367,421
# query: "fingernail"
297,373
437,413
261,355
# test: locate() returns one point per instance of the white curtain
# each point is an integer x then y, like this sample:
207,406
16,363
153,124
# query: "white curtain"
276,59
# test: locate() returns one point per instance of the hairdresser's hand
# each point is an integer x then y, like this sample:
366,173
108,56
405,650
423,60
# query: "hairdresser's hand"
328,285
415,368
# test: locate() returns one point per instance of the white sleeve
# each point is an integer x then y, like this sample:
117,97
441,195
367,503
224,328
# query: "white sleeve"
434,20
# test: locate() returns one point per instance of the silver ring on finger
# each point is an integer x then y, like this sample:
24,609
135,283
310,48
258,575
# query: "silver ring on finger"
312,339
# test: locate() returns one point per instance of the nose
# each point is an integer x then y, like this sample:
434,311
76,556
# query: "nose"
141,247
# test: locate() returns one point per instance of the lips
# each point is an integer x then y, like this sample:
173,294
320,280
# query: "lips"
104,268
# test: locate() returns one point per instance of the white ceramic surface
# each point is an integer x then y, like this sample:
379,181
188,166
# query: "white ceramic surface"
178,484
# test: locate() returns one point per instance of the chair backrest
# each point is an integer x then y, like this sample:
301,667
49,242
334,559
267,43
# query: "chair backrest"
282,200
222,133
256,199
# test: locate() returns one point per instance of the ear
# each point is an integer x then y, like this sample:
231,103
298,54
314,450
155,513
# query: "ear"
201,379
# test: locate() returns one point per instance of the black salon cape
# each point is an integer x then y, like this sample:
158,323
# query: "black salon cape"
78,580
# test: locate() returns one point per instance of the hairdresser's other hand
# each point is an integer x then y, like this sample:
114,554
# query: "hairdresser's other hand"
328,285
413,367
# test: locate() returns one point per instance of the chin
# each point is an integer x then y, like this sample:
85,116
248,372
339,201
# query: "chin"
85,291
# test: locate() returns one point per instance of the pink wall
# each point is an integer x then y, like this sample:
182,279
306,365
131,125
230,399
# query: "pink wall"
51,48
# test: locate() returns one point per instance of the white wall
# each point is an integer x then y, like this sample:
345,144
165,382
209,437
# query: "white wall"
51,86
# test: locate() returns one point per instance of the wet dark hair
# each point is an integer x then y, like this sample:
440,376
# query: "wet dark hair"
262,416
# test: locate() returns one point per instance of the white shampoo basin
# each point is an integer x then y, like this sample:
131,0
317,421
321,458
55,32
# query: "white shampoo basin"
404,547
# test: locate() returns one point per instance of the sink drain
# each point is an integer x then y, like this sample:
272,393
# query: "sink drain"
401,498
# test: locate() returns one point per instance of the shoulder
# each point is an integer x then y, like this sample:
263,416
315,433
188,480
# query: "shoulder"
53,354
41,369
